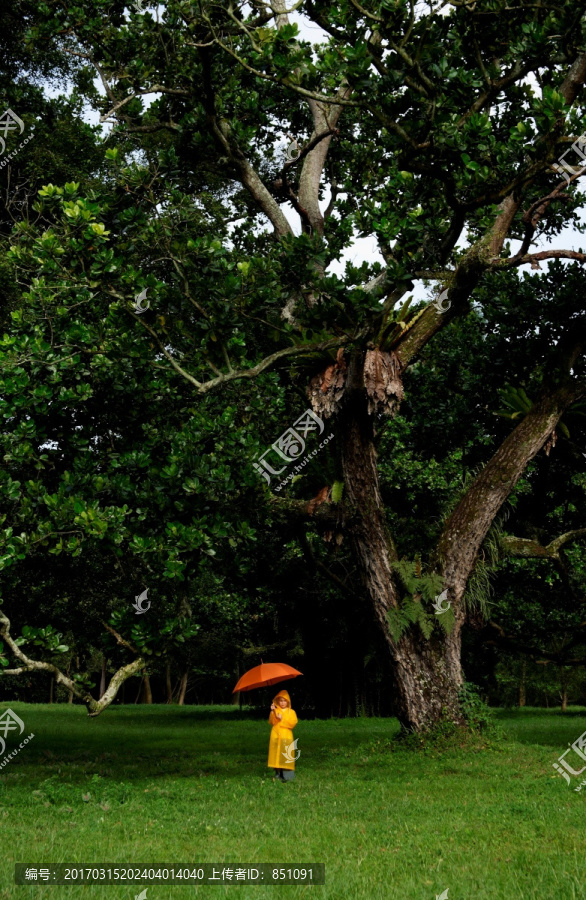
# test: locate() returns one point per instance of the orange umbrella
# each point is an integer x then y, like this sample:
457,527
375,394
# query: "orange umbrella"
266,673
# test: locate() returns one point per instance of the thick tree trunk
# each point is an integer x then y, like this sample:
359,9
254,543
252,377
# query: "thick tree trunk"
183,689
51,690
427,674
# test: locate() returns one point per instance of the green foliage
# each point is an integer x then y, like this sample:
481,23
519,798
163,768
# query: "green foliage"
337,490
479,587
516,400
156,638
475,711
411,610
47,638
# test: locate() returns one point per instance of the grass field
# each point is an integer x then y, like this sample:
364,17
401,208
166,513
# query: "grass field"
190,785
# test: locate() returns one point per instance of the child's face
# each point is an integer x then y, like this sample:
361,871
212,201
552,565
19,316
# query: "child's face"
282,702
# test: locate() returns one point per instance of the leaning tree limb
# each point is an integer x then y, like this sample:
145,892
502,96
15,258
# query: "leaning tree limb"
94,707
470,521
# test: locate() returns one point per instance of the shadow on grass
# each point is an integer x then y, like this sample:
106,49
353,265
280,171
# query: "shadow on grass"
536,712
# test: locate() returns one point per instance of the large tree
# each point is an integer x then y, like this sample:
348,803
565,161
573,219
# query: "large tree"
435,132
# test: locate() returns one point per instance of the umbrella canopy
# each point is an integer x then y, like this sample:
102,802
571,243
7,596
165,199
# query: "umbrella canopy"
266,673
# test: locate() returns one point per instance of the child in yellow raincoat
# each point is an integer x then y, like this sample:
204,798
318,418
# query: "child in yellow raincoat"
282,748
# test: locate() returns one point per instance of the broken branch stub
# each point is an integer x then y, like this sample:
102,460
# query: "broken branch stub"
382,382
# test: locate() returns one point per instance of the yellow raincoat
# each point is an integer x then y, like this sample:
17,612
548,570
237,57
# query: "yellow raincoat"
281,739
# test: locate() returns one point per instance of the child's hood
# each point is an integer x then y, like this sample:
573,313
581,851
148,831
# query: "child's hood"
284,694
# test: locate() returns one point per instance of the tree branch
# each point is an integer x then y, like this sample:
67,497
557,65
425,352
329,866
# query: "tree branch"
470,521
535,257
325,119
119,639
528,549
94,707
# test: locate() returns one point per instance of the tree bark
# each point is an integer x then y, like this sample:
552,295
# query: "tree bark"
146,694
168,684
470,521
103,678
51,690
427,673
522,683
183,689
564,688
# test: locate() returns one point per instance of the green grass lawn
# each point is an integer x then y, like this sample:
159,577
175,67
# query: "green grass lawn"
190,785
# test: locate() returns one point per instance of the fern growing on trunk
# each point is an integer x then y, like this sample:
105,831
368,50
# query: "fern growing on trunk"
411,611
